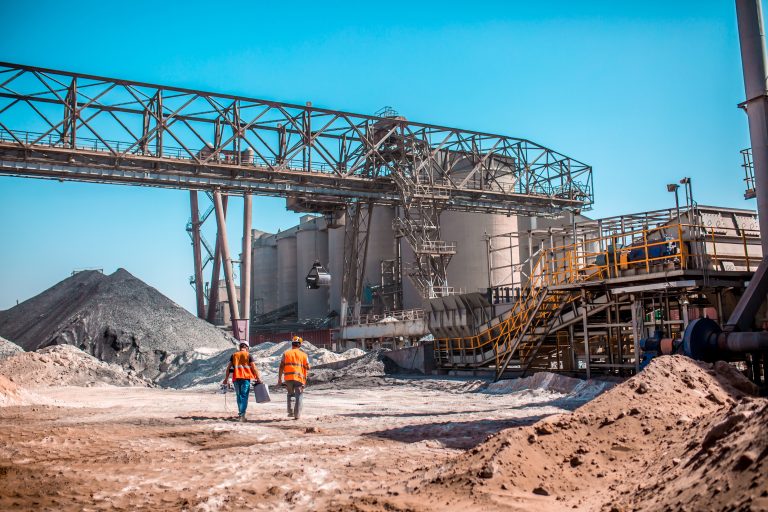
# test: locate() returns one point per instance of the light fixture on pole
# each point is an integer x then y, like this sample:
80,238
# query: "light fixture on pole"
688,197
672,187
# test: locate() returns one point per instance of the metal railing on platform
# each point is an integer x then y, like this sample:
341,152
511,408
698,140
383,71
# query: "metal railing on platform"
662,248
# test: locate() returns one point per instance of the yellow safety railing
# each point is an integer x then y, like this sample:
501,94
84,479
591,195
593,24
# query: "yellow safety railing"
660,248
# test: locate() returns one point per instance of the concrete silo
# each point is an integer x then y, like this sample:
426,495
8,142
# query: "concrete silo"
469,267
335,266
381,244
311,246
265,271
286,267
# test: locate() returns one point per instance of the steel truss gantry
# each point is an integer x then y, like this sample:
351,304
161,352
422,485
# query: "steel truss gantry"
71,126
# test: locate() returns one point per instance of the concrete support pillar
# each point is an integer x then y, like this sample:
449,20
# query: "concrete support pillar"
221,222
196,251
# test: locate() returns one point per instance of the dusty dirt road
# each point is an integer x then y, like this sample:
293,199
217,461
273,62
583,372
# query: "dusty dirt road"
136,448
681,435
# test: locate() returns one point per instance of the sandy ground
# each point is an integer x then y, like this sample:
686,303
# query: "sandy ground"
131,448
681,435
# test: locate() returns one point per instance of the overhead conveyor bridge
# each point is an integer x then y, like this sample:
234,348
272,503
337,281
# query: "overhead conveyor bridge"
71,126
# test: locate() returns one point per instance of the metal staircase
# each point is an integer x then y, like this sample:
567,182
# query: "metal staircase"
512,340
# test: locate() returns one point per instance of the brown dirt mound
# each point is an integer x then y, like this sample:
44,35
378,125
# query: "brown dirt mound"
10,394
65,365
681,435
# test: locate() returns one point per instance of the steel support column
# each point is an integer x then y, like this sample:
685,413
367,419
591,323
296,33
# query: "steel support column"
245,259
752,42
221,223
196,252
585,325
213,293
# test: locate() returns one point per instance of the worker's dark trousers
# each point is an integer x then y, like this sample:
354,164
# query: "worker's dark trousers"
295,390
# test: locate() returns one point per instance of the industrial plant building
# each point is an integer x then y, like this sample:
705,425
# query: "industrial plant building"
489,254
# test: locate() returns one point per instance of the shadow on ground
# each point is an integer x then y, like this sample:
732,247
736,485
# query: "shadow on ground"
410,414
454,434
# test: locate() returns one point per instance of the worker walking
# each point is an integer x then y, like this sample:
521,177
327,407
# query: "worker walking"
294,369
243,370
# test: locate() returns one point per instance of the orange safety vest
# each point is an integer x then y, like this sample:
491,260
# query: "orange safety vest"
295,365
242,369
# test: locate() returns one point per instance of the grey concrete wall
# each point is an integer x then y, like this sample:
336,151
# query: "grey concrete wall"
420,358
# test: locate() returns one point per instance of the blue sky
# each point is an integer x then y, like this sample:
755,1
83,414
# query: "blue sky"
645,92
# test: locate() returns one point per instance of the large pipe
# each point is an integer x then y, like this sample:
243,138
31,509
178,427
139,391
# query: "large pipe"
213,293
753,60
245,263
198,259
704,340
223,244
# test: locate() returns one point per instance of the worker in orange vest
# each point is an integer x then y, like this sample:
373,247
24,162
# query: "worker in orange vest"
294,367
243,370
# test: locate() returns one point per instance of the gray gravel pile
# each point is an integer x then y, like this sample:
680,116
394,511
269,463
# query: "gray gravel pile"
65,365
8,348
116,318
372,365
198,371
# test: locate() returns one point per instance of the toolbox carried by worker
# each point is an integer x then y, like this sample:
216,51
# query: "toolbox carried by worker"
261,393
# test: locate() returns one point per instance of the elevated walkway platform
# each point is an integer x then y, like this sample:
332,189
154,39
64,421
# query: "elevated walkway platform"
584,304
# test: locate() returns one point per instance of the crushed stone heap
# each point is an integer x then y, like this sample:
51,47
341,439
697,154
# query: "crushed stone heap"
359,369
267,356
8,348
116,318
681,435
65,365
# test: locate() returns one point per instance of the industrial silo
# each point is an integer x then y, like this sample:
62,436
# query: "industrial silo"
381,244
468,270
264,274
311,246
286,267
335,266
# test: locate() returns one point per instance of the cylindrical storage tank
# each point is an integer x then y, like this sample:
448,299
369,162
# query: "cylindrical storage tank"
335,267
265,273
381,244
469,268
312,245
286,268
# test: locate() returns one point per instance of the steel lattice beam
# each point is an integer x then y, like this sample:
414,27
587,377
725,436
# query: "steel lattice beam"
63,125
